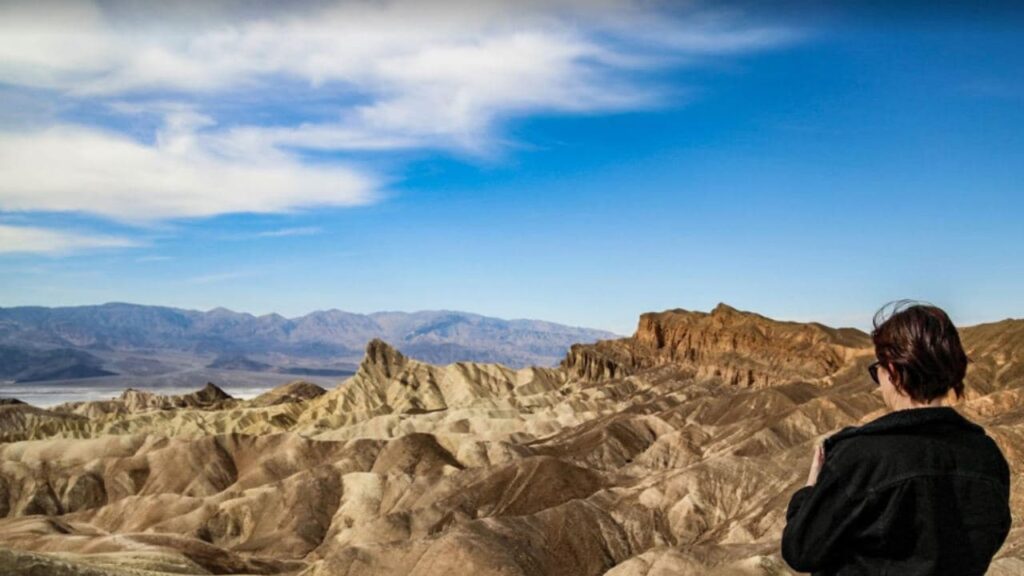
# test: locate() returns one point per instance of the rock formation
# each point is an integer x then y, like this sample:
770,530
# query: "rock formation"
295,391
132,401
674,451
743,348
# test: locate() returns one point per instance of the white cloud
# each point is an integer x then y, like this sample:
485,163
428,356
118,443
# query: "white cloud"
403,73
218,277
34,240
427,67
297,231
69,168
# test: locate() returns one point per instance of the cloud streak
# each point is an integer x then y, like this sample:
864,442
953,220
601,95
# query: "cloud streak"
36,240
296,231
217,278
68,168
398,75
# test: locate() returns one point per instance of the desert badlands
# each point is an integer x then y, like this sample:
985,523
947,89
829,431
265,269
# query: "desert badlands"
674,451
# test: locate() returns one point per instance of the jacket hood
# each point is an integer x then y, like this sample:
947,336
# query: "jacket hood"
907,419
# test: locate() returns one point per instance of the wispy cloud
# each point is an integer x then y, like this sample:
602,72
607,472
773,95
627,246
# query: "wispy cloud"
35,240
217,277
72,168
398,75
297,231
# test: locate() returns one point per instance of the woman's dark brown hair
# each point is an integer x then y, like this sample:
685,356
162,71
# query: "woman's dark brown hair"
922,345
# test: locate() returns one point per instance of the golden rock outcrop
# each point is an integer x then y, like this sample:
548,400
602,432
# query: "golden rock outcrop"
742,348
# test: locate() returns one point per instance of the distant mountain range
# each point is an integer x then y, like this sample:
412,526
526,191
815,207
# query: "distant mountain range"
40,343
22,364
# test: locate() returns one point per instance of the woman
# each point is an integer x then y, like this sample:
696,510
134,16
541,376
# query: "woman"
919,490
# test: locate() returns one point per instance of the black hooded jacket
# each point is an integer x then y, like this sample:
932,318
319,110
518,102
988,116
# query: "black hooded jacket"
922,491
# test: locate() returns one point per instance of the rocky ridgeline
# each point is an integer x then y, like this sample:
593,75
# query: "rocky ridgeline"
741,348
210,397
670,452
389,383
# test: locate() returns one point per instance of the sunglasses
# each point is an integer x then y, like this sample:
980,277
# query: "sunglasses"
873,371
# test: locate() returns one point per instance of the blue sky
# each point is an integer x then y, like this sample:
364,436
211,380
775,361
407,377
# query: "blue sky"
579,162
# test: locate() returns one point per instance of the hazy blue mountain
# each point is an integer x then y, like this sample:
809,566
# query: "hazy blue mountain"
22,364
238,362
329,340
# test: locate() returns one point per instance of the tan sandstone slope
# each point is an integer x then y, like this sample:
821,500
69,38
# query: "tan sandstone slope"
674,451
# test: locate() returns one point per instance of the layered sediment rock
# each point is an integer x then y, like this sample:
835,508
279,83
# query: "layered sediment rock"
295,391
742,348
388,383
671,452
210,397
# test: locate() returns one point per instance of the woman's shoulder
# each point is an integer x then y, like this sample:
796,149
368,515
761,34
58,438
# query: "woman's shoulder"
857,451
927,441
915,422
